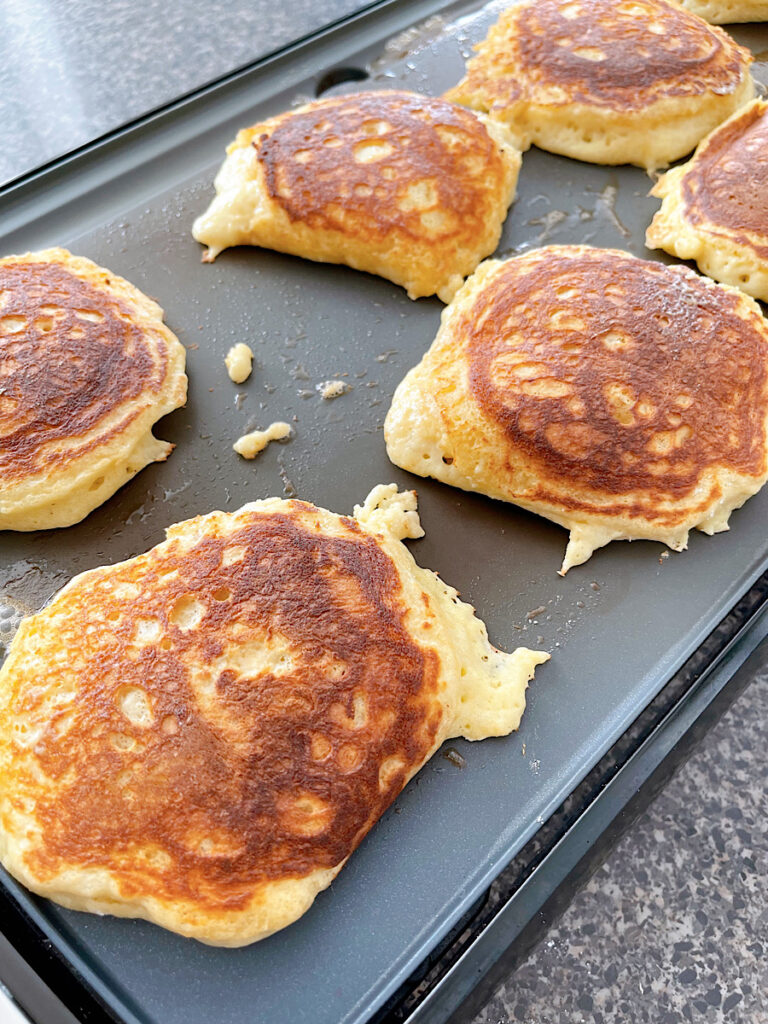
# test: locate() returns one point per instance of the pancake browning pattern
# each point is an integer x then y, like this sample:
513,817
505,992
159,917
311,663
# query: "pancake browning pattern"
633,81
620,398
405,186
202,735
86,368
715,207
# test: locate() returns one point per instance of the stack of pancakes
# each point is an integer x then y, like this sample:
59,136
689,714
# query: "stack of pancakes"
202,735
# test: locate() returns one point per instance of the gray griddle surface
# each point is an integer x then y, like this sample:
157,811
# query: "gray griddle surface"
617,628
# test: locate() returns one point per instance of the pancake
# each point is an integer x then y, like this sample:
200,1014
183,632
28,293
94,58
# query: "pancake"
620,398
715,207
86,368
202,735
724,12
408,187
634,81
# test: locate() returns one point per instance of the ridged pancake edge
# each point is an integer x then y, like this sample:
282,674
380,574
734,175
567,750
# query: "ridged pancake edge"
482,694
417,438
68,494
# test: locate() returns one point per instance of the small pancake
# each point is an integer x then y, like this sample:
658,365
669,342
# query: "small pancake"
715,207
86,368
202,735
408,187
725,12
620,398
608,81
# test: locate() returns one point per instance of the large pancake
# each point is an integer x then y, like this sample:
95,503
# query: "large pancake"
609,81
724,12
86,368
620,398
405,186
715,207
202,735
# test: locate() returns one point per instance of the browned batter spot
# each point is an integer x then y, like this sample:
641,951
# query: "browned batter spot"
619,375
606,53
69,357
369,163
727,184
247,711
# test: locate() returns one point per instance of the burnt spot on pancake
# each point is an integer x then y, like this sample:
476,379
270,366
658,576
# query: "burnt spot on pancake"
603,53
619,375
70,356
241,712
373,162
726,185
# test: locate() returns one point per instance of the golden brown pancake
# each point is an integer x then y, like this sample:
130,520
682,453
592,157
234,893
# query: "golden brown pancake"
608,81
715,207
723,12
86,368
408,187
202,735
620,398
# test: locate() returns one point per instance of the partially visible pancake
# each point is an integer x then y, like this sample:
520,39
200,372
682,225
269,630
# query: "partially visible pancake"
86,368
619,398
724,12
715,207
408,187
202,735
608,81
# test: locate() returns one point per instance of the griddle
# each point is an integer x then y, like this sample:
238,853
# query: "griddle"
642,642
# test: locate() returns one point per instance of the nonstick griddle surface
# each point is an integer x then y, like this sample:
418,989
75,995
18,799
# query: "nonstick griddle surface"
617,628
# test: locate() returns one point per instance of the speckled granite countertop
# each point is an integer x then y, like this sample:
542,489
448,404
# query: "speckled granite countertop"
674,926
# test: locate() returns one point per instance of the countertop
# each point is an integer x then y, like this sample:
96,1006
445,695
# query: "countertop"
674,926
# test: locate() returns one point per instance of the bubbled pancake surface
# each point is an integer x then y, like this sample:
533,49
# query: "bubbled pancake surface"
406,186
202,735
593,387
724,12
590,78
715,207
87,366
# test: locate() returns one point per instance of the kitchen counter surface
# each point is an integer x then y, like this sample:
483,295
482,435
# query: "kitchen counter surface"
96,66
674,926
